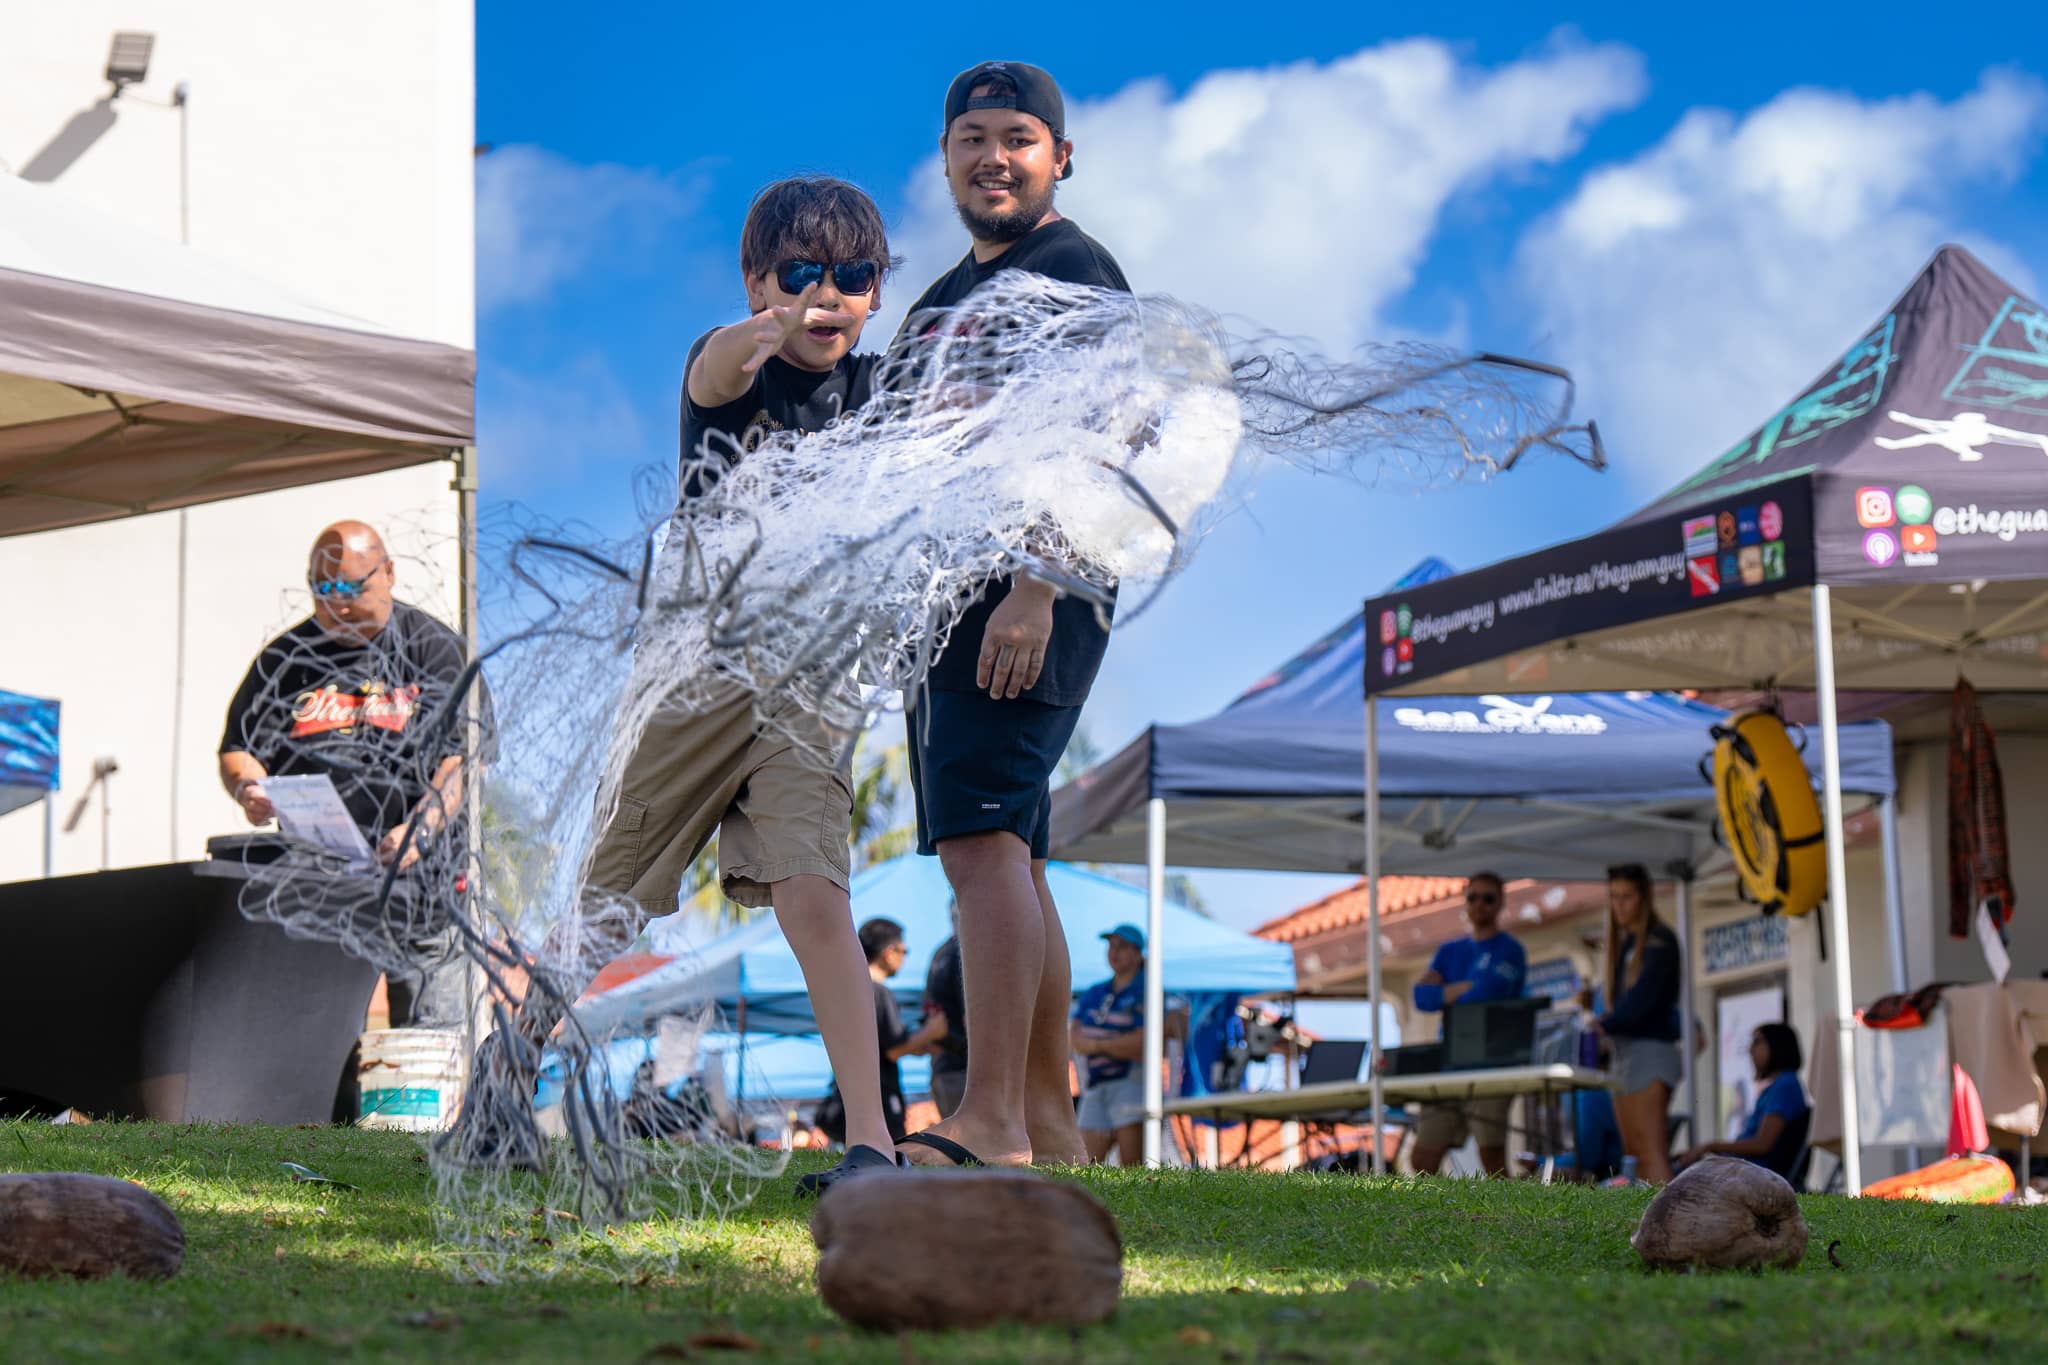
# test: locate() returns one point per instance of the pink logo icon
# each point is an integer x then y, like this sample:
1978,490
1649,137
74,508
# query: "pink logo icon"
1874,506
1770,519
1880,548
1387,631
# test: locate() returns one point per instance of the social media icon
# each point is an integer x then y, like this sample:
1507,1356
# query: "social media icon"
1746,531
1387,630
1405,650
1750,559
1387,661
1880,548
1917,540
1770,519
1914,505
1774,560
1874,507
1726,523
1403,620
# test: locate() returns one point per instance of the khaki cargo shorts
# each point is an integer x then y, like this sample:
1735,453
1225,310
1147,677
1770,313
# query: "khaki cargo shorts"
779,809
1448,1123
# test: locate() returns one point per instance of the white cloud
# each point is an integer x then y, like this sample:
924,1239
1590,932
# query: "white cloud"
1303,196
539,432
541,219
1702,285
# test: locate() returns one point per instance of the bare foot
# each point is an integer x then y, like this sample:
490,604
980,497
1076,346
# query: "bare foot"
995,1146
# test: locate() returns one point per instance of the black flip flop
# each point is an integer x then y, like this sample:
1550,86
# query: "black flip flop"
858,1160
945,1147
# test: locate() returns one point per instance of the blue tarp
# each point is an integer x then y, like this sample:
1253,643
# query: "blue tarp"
28,749
1276,779
755,965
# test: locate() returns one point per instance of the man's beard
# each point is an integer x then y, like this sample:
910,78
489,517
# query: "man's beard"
1012,224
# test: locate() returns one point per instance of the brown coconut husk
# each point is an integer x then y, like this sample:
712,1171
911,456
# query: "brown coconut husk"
1722,1214
87,1227
933,1250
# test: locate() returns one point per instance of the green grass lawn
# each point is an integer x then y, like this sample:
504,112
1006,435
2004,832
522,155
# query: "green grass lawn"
1230,1267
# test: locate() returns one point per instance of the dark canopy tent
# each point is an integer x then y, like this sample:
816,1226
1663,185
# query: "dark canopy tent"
1906,490
138,375
1545,785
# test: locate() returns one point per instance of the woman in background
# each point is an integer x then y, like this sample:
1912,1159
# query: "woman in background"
1641,1023
1775,1129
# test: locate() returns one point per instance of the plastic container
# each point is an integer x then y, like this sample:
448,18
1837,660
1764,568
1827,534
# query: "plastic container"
409,1078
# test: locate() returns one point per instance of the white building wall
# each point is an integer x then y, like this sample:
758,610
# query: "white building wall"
330,149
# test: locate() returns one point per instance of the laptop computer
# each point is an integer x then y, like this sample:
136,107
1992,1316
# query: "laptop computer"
1333,1060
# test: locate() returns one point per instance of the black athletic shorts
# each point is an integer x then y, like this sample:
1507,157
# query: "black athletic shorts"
977,764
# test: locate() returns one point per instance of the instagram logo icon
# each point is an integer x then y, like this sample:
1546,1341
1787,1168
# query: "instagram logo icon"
1874,507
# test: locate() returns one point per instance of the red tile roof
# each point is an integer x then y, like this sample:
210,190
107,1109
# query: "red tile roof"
1340,909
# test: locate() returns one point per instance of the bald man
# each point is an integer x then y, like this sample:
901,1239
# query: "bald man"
352,691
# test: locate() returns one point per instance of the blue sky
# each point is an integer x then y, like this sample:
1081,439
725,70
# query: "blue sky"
1694,215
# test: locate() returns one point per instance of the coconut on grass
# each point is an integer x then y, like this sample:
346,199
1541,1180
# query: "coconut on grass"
1722,1214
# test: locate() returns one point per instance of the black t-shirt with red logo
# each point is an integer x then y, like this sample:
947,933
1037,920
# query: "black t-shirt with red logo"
365,713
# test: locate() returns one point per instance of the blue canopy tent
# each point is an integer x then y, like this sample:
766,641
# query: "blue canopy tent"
28,759
754,979
1541,785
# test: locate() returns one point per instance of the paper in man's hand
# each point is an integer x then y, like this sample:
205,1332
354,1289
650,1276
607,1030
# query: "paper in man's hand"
309,808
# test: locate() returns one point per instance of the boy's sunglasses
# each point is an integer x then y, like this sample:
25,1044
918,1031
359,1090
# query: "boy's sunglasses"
848,277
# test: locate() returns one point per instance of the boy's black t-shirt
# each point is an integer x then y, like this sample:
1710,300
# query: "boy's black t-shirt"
1058,250
783,398
358,711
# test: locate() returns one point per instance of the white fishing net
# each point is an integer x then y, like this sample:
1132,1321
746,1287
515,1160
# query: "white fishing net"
1083,436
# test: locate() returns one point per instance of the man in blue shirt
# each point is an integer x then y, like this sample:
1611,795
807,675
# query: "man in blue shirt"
1486,965
1108,1034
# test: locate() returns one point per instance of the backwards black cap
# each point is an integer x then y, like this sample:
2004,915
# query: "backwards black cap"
1030,91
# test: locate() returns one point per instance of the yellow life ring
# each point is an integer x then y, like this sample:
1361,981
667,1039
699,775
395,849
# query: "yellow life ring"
1769,815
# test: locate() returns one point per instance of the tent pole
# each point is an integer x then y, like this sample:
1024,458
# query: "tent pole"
1372,929
1688,1042
1894,902
1155,975
1838,878
1895,911
50,832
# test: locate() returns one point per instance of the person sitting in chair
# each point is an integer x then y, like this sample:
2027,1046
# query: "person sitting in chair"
1775,1131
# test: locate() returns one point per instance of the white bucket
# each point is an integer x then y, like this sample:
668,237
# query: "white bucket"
409,1078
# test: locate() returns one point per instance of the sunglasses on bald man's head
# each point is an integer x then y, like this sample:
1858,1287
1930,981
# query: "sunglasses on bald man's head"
848,277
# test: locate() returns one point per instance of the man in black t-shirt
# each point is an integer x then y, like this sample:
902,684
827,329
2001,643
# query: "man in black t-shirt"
364,691
1003,697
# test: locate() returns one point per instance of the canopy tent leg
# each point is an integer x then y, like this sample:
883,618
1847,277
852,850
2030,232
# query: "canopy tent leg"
50,832
1372,926
1838,878
1895,912
1894,899
1155,976
1687,1038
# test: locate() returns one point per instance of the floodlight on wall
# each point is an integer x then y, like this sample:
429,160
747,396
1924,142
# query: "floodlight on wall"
128,60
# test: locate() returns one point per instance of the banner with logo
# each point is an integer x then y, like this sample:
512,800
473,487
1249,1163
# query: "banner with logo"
1751,543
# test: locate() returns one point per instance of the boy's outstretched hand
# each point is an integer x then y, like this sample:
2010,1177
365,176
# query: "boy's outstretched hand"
773,327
